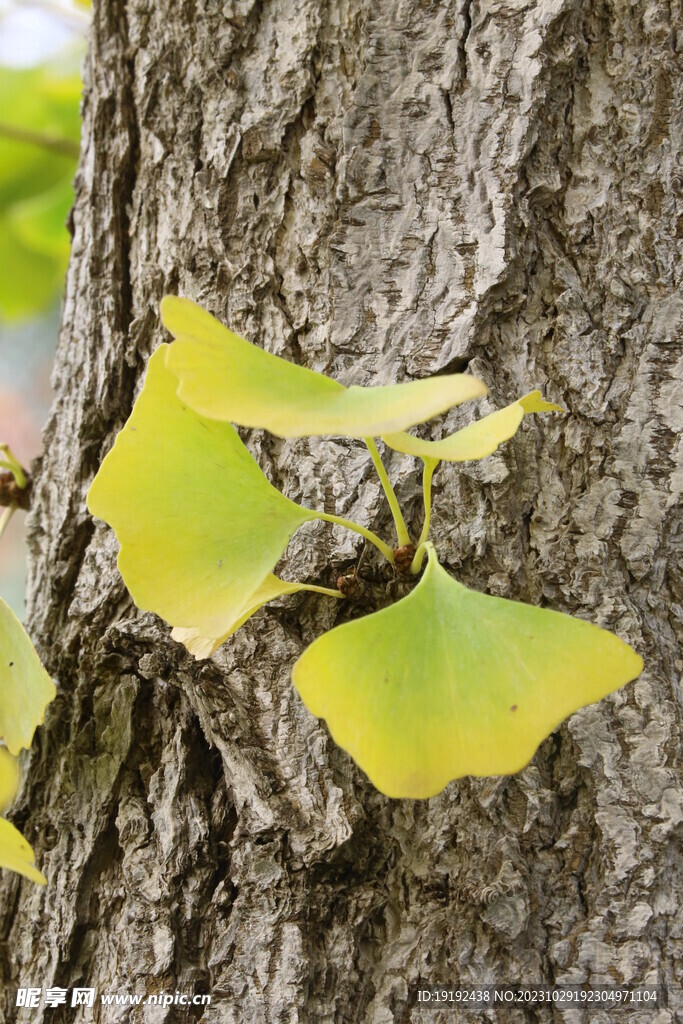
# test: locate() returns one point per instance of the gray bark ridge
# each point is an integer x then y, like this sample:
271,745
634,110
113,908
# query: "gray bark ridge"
378,190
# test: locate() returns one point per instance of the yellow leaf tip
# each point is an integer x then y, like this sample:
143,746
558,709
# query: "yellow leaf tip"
534,402
199,646
166,308
169,307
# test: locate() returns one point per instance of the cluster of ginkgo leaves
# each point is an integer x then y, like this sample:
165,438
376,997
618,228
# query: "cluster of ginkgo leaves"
40,129
25,691
446,682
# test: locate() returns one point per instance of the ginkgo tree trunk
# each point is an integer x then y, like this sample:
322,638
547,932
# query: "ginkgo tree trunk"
381,192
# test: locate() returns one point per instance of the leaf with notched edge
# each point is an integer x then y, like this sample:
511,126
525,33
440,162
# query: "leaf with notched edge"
450,682
200,526
224,377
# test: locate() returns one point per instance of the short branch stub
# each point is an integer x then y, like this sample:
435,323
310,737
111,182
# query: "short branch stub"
12,494
403,558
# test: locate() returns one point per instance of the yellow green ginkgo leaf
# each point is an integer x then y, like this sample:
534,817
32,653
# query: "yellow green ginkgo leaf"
271,588
477,439
450,682
25,687
200,526
10,777
224,377
16,854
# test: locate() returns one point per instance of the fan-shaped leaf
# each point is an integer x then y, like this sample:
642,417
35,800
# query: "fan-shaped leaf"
25,687
450,682
477,439
224,377
200,526
271,588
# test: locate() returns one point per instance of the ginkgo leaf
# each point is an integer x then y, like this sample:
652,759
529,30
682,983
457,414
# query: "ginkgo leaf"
224,377
450,682
477,439
200,526
10,777
25,687
16,854
271,588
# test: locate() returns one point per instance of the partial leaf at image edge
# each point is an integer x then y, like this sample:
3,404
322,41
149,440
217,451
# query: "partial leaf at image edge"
450,682
476,440
200,526
25,687
225,377
25,691
16,853
10,778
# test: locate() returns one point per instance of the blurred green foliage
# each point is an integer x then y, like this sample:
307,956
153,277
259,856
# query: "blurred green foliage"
39,137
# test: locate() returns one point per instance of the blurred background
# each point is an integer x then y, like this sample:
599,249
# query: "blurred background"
42,43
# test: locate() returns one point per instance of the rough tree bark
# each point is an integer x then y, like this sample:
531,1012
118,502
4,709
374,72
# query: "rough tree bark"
378,189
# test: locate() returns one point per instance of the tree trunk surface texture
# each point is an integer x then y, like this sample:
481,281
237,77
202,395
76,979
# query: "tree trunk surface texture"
380,190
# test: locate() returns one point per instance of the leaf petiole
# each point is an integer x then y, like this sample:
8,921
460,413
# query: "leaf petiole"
357,528
322,590
11,463
401,528
429,467
5,518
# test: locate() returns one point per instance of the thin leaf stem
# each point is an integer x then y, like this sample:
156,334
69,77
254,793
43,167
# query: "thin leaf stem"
5,518
416,564
429,467
401,528
11,463
357,528
321,590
